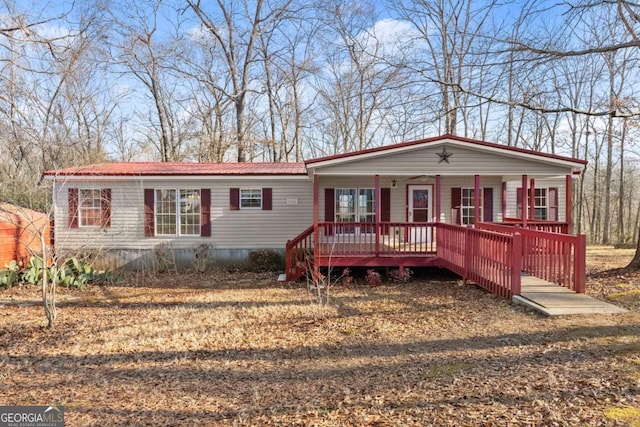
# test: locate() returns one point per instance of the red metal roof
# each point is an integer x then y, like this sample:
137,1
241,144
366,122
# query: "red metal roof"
440,139
265,168
177,168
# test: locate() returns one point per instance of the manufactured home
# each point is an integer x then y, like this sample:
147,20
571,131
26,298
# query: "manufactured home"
474,207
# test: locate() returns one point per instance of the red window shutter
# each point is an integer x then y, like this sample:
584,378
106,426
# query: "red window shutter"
105,207
487,215
385,208
149,214
329,209
385,204
519,202
205,212
553,204
329,205
234,199
267,199
456,201
73,207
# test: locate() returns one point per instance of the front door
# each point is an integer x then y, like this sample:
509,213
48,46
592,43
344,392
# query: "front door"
420,208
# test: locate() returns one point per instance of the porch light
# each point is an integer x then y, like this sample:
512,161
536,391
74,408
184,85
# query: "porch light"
394,184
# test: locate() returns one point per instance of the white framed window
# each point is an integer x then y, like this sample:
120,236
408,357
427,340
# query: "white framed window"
467,205
177,212
250,198
345,204
366,205
541,204
355,205
90,208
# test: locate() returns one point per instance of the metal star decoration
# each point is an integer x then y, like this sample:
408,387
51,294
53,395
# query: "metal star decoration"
444,156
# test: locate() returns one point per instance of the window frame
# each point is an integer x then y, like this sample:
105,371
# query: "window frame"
354,209
469,218
177,213
241,198
541,208
81,209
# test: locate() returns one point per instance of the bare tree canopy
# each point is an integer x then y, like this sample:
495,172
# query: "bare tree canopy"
256,80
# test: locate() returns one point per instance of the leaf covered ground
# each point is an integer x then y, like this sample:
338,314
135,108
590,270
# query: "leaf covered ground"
226,348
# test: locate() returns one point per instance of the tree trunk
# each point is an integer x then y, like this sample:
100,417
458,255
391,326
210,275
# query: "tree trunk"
635,262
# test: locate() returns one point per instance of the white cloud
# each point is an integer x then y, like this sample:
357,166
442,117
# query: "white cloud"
388,36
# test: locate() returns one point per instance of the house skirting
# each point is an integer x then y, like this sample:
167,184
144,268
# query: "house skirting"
167,256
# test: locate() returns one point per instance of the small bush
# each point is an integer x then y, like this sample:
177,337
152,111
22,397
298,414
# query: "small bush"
400,276
266,260
373,278
202,257
164,257
346,279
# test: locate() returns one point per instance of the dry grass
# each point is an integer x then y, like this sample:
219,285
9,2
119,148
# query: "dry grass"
241,350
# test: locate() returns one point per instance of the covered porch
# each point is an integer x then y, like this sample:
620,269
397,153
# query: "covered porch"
418,204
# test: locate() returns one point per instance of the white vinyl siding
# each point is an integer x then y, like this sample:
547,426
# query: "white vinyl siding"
244,229
463,161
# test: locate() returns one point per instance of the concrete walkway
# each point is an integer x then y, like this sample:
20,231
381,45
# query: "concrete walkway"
553,300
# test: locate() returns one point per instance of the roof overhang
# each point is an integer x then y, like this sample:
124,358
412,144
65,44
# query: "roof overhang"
315,165
172,178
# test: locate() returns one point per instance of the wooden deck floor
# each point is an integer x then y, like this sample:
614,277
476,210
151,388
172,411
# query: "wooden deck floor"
553,300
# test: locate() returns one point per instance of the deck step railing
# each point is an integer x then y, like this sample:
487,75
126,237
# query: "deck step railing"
299,255
489,259
554,257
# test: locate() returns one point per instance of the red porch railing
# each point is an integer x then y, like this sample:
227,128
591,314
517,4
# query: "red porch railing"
370,239
554,257
548,226
489,259
491,255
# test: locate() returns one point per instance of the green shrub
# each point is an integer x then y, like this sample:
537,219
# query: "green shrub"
32,273
72,274
10,274
75,273
266,260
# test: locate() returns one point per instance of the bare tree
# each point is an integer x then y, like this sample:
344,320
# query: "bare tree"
449,31
147,53
356,85
236,34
